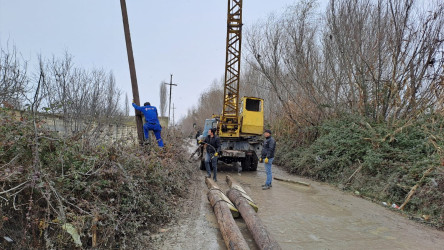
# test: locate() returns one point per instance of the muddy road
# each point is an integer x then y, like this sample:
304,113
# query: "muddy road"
299,217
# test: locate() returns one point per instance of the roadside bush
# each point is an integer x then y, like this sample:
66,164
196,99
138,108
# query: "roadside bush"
389,160
63,193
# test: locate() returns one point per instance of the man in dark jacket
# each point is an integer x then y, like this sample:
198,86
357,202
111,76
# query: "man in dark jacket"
198,133
212,143
267,156
152,122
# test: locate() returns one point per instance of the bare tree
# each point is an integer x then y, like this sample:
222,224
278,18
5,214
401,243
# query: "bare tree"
284,51
163,99
383,59
389,54
210,103
127,107
256,85
13,78
79,96
380,58
112,97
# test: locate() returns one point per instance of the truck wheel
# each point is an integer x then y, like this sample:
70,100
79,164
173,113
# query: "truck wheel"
246,163
254,162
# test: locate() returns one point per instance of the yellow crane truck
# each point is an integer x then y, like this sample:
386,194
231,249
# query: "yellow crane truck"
240,125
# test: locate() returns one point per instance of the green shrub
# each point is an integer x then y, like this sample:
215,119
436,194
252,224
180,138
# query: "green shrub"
393,159
120,189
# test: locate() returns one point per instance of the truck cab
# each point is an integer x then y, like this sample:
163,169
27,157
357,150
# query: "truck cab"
245,144
209,124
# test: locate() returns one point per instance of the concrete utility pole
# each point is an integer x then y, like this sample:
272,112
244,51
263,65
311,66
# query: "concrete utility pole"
135,88
169,104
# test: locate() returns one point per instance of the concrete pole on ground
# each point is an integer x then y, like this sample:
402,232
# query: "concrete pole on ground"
224,211
261,236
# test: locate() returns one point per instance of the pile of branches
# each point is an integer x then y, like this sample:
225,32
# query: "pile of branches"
63,193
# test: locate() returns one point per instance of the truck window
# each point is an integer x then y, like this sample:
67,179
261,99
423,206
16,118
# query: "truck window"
253,105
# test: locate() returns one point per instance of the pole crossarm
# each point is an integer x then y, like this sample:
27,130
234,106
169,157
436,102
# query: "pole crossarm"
171,84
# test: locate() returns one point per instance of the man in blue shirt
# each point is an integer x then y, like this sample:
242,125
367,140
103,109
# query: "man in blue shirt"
152,122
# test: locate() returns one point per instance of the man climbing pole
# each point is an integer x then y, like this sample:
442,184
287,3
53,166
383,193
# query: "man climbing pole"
152,122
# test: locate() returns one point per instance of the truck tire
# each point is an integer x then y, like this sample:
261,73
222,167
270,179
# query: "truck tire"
254,162
246,163
249,163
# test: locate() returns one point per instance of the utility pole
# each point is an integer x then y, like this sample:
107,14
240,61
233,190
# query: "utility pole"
169,104
132,68
173,114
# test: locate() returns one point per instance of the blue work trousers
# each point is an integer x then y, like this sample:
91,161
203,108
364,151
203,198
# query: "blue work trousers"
268,171
213,163
156,128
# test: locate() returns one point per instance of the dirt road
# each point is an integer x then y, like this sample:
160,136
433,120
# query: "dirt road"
299,217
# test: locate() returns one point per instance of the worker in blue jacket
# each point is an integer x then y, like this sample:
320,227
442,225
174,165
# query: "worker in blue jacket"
152,122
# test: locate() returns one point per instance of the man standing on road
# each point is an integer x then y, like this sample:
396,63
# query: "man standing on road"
152,122
267,156
212,143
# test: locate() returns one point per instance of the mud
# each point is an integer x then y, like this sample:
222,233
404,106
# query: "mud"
299,217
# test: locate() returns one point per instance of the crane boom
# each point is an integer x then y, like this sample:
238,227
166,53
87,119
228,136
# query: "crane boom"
230,115
242,120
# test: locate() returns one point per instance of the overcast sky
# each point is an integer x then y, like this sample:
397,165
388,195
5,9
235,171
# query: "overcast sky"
185,38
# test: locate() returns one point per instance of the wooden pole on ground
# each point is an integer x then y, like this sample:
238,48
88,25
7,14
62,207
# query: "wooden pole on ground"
230,232
412,191
353,175
292,181
261,236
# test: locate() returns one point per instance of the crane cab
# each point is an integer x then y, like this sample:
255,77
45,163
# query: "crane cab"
252,116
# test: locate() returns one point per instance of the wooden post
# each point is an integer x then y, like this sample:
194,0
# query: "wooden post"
292,181
94,230
132,68
261,236
230,232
